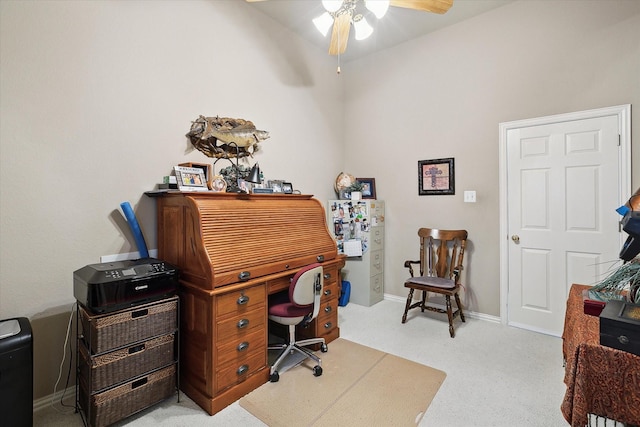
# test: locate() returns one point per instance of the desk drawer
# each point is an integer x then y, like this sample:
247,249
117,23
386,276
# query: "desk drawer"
235,372
240,349
240,301
240,326
330,290
330,275
328,318
278,285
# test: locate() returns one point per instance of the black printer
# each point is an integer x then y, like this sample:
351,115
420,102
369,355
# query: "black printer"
112,286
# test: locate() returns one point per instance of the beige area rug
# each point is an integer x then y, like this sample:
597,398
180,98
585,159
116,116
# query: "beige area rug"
360,386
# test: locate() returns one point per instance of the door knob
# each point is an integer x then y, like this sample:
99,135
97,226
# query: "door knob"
515,238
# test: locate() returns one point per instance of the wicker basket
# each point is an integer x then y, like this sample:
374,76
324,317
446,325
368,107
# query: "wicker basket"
113,405
109,369
103,333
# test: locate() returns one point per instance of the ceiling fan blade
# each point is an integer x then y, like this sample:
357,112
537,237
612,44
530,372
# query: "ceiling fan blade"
435,6
340,34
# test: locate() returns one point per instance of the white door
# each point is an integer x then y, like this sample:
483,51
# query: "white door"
564,181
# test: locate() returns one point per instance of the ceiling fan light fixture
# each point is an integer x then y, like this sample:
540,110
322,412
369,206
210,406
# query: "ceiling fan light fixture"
332,5
323,23
363,29
378,7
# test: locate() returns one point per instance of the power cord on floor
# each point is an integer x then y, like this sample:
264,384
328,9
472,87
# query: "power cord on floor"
74,307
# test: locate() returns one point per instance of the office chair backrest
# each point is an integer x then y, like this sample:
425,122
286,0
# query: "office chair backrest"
306,287
441,251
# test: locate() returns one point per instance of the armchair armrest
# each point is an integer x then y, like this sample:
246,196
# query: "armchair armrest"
457,270
408,264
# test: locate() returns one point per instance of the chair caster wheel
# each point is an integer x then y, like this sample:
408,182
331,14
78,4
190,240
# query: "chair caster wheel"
274,377
317,371
324,348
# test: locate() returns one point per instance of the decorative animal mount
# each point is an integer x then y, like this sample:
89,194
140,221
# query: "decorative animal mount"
224,137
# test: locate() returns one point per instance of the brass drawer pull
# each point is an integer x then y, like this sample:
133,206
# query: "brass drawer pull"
244,276
327,292
242,369
243,323
328,325
328,309
327,276
320,258
243,299
243,346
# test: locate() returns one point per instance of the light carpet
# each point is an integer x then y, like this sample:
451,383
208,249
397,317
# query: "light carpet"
361,385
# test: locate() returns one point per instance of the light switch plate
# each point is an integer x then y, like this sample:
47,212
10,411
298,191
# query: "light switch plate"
470,196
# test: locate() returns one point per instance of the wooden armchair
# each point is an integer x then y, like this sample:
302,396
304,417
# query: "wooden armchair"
441,255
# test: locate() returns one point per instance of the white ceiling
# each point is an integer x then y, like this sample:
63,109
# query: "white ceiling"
397,26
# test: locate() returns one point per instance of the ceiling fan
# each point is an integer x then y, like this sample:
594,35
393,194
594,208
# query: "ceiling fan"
341,14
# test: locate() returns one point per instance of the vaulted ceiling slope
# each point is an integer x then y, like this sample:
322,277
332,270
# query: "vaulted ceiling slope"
397,26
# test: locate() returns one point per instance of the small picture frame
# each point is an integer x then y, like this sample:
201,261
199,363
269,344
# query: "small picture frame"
207,168
276,185
218,184
287,188
368,187
436,177
190,179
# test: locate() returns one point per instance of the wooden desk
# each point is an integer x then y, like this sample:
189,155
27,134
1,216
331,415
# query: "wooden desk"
600,380
233,250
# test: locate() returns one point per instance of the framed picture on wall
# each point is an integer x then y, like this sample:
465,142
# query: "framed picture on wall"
436,177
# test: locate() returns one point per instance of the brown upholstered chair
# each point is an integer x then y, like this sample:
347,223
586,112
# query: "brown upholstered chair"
441,255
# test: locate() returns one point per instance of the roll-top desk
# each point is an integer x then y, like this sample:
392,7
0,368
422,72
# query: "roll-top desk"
233,250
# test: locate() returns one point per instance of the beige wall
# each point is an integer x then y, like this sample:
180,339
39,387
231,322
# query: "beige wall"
444,95
96,99
96,96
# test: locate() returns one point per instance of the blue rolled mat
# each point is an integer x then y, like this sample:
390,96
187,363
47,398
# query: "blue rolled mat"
135,229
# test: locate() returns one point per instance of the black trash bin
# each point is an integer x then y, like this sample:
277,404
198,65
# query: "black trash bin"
16,372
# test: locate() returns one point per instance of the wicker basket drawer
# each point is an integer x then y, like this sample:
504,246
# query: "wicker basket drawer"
112,405
103,333
109,369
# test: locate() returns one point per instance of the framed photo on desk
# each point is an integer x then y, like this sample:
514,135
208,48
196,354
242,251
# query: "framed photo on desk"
190,179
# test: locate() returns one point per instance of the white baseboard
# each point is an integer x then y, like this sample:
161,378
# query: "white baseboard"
69,399
472,314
